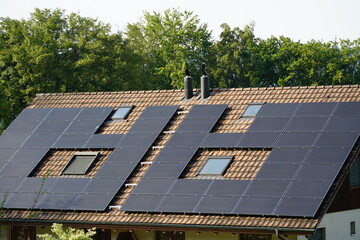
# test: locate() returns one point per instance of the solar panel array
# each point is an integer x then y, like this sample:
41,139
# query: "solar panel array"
35,131
309,144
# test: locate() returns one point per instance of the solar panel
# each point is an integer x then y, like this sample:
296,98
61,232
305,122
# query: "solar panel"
306,124
277,171
104,141
153,186
175,155
278,109
36,185
337,140
104,185
207,111
256,205
110,170
216,205
138,140
186,140
328,155
308,189
228,187
259,139
92,202
344,124
267,188
71,141
23,200
63,114
9,184
318,172
6,154
40,141
287,155
12,141
158,112
298,207
348,109
269,124
190,186
51,127
17,169
58,201
161,170
297,139
142,203
95,113
196,125
148,126
221,140
69,185
33,114
178,204
315,109
83,126
29,155
127,155
21,127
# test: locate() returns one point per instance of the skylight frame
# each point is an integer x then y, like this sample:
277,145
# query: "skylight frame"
211,160
123,116
85,168
248,113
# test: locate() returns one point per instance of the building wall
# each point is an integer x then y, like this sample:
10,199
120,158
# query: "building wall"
4,232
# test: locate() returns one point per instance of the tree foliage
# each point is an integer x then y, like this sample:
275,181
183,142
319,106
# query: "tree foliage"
61,233
55,52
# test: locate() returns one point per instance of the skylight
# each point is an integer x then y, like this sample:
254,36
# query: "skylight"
252,110
121,113
80,163
215,166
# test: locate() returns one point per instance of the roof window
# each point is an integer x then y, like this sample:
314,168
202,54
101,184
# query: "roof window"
121,112
252,110
215,166
80,163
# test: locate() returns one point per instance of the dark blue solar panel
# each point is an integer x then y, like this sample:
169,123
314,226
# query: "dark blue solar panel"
287,155
178,203
267,188
259,140
40,141
11,169
148,126
175,155
72,141
104,185
83,127
216,205
36,185
318,172
221,140
308,189
315,109
153,186
69,185
29,155
12,141
127,155
277,171
110,170
138,140
6,154
298,207
278,109
63,114
23,200
162,170
33,114
51,127
196,125
228,187
96,113
21,127
256,206
10,184
348,109
307,124
297,139
269,124
344,124
337,140
186,140
58,201
158,112
206,111
92,202
328,155
104,141
190,187
140,203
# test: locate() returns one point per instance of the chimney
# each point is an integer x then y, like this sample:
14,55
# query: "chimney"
188,85
205,84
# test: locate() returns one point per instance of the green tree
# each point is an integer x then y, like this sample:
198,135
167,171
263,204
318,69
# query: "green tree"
61,233
168,43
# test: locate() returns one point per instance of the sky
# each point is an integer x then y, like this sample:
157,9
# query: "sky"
304,20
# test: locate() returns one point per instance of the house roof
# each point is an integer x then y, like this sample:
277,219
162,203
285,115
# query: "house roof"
221,126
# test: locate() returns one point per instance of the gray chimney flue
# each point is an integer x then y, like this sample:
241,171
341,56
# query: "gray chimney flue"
188,85
205,84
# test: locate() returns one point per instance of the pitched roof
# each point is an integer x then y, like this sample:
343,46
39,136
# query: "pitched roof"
245,166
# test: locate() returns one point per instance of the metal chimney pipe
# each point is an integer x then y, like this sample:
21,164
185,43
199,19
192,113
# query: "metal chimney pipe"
188,85
205,84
